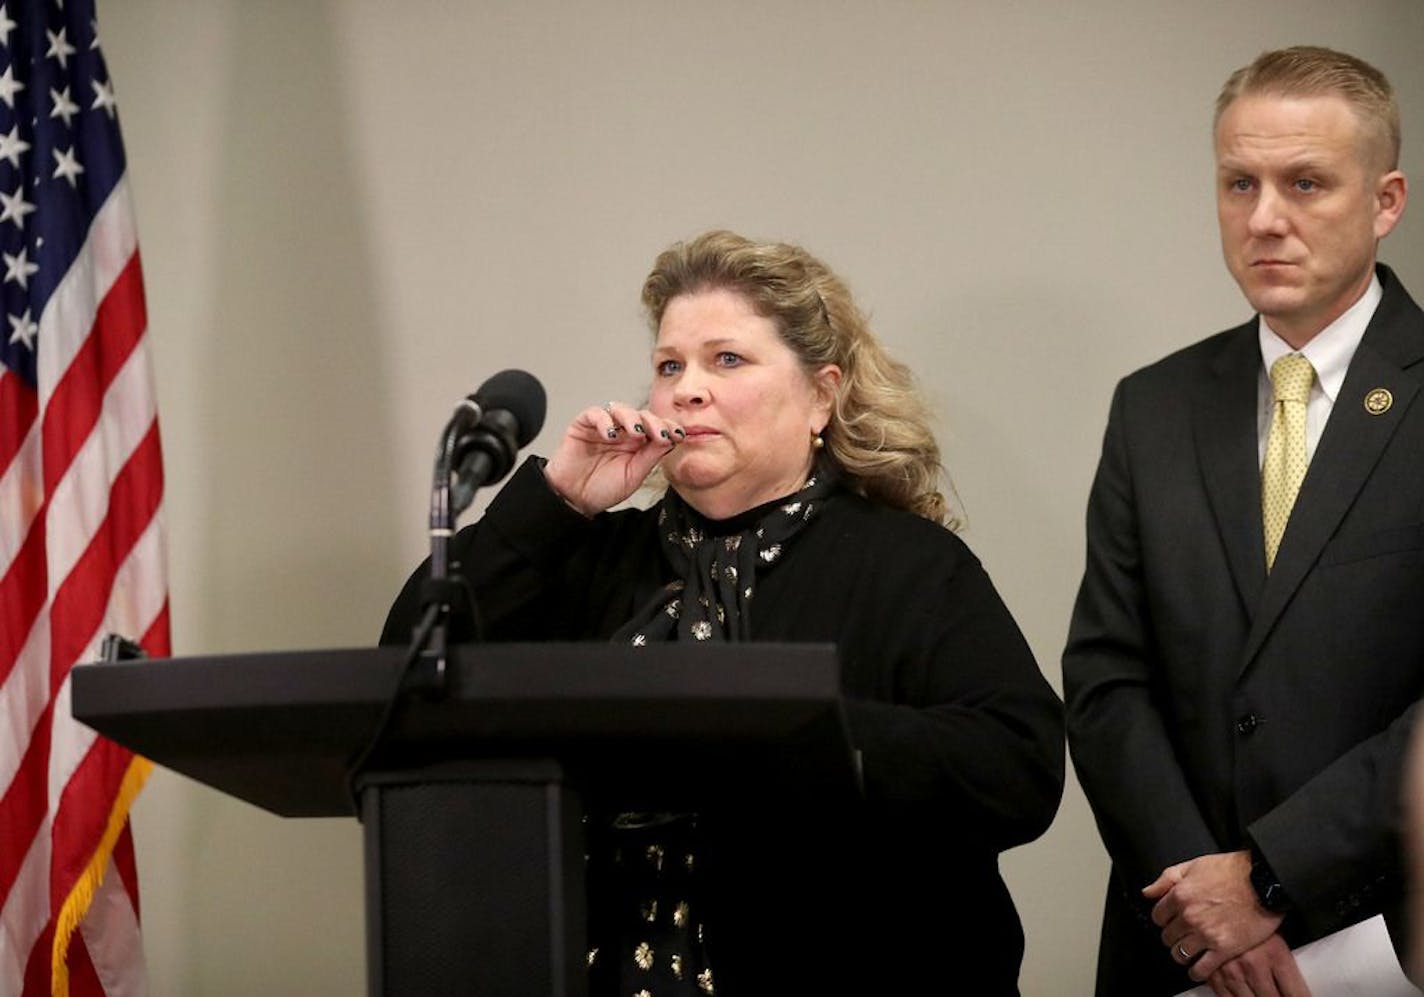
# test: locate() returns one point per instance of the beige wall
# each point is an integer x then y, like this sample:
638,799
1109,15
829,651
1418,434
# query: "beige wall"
351,212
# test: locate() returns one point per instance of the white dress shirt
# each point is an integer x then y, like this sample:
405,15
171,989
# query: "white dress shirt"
1329,352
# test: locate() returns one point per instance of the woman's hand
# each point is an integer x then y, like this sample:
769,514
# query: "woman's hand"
607,453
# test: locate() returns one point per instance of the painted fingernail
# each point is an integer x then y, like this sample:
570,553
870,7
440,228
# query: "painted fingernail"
638,428
613,434
664,434
680,434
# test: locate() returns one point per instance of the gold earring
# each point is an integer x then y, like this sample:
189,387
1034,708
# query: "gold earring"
816,441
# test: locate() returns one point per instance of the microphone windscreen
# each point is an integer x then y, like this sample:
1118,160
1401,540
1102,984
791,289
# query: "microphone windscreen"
521,395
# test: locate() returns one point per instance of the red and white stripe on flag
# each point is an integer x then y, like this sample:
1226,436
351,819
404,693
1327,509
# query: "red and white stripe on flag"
82,554
81,487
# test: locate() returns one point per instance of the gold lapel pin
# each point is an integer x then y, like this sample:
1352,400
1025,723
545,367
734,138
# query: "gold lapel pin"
1378,401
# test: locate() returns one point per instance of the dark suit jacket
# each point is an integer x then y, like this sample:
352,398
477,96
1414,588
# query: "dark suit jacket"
1210,705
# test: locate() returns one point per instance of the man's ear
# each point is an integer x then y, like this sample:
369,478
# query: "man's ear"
1391,195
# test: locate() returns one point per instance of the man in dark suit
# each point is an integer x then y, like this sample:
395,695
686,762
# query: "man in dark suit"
1247,647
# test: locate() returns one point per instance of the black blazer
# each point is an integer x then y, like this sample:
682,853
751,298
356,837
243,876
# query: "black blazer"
1211,705
961,737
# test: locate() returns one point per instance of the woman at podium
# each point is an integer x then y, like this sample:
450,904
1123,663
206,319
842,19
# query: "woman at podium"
800,502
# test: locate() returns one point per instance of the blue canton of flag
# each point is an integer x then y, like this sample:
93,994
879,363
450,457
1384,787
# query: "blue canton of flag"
60,157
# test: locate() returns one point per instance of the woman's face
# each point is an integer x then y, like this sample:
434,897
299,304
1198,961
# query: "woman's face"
748,406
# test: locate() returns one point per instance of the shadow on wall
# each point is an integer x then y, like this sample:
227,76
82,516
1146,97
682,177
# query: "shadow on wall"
298,409
298,438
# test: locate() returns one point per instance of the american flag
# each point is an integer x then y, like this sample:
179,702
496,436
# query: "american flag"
82,549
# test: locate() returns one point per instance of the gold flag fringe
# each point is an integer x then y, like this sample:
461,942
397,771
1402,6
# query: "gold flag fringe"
76,905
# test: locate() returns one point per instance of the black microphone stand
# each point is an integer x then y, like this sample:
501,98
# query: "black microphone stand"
469,454
445,596
477,447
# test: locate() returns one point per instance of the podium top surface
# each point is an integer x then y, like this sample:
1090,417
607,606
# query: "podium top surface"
279,729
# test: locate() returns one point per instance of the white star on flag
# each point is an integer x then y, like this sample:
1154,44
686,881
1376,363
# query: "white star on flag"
67,166
63,106
18,268
59,48
9,86
103,97
23,329
14,207
12,146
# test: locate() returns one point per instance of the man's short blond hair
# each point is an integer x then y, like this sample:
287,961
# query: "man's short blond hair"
1312,71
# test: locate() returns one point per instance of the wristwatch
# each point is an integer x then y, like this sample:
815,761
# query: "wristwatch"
1269,890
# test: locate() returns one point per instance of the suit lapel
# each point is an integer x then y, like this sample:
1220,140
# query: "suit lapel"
1224,424
1348,450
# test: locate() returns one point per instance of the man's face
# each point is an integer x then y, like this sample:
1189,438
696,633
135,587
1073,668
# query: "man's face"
1302,199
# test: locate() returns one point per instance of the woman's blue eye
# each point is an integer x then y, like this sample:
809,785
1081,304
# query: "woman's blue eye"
665,368
1305,186
728,359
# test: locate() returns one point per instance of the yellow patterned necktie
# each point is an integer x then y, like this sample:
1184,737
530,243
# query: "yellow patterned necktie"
1284,467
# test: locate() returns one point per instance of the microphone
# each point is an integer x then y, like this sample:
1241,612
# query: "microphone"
477,447
489,428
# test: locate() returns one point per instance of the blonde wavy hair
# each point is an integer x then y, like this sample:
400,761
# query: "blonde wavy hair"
879,433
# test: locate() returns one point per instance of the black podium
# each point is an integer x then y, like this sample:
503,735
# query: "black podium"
472,803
